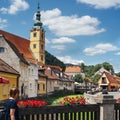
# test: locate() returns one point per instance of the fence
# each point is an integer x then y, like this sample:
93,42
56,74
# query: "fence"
72,112
117,111
108,109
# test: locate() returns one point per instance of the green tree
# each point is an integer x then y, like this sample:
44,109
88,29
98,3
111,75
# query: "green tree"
52,60
78,78
108,67
118,74
96,78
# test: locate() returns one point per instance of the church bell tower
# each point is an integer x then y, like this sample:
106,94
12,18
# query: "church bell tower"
37,38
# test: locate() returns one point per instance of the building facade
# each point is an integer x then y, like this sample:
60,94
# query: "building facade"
10,74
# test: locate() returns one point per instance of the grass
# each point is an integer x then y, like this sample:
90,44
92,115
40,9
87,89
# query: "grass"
55,98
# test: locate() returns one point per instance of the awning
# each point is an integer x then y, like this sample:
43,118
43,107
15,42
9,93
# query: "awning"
4,80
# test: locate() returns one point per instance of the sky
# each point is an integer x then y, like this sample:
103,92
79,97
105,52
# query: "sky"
76,31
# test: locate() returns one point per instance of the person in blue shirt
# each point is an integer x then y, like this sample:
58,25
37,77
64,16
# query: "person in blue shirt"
12,111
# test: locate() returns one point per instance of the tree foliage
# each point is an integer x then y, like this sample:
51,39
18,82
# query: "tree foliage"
78,78
96,78
91,70
118,74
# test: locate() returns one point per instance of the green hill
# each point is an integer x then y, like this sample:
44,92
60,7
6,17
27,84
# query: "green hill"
52,60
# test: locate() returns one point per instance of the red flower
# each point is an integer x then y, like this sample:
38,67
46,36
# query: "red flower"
31,103
118,100
73,100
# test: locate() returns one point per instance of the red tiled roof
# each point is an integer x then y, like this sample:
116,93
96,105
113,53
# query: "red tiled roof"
4,67
51,74
21,44
111,78
55,67
73,69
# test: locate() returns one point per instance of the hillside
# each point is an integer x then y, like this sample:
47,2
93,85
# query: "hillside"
52,60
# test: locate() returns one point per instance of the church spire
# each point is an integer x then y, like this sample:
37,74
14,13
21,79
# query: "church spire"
38,23
38,5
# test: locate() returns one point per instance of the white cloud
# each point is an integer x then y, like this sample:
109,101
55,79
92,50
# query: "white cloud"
3,23
58,47
102,4
16,6
100,49
70,25
69,59
3,10
63,40
118,53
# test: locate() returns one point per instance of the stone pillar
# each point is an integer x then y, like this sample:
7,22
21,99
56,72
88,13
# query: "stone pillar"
107,107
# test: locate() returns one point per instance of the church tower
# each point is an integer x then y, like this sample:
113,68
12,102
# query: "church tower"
37,38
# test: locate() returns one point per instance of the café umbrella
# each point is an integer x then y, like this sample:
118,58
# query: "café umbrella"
4,80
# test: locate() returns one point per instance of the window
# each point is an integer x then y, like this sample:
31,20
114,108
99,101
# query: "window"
42,34
34,34
4,90
104,80
8,89
38,86
30,85
42,47
34,45
2,49
41,57
43,87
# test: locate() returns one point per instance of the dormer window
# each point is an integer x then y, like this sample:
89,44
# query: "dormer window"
2,49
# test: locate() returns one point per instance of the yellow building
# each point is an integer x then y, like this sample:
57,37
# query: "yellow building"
42,81
12,75
37,38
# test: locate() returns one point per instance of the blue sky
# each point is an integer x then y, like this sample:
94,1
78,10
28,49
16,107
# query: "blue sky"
76,30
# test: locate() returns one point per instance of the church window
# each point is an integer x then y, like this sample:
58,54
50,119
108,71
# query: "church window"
34,45
2,49
42,47
34,34
42,34
41,57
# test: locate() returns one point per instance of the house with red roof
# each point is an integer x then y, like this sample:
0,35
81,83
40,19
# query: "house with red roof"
57,80
23,55
8,77
28,57
15,51
71,71
112,82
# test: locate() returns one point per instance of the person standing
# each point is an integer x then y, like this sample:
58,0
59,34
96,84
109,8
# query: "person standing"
12,112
